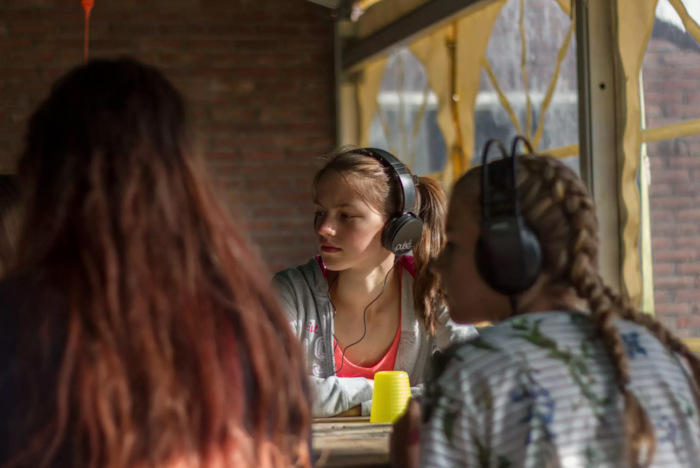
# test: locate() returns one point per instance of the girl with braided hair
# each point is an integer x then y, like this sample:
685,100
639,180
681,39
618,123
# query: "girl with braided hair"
571,374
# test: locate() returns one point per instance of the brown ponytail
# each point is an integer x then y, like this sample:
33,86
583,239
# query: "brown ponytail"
427,294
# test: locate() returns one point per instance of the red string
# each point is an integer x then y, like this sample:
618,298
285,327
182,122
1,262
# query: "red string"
87,6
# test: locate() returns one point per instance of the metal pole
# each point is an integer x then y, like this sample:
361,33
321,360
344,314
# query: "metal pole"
598,110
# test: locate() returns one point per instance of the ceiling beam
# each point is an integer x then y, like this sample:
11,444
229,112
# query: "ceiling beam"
430,15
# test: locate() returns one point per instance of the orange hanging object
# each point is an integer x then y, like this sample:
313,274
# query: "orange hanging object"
87,6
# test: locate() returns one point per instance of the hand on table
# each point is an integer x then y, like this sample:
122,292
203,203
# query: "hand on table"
354,411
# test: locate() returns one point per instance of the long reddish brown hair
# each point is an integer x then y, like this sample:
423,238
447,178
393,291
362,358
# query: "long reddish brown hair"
168,347
9,220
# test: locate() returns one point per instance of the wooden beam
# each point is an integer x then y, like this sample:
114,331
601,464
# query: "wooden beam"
430,15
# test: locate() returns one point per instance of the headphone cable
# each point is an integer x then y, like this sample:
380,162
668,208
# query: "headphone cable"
364,316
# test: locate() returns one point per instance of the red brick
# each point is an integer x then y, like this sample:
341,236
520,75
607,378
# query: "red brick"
663,269
692,321
688,295
689,214
247,70
678,308
676,254
687,267
674,282
671,176
692,241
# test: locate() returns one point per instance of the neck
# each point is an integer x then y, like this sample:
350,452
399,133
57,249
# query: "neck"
355,289
565,299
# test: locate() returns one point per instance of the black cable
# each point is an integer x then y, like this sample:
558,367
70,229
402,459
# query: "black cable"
364,317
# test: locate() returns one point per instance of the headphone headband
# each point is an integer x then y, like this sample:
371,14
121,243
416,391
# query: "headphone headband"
509,256
406,182
485,181
403,230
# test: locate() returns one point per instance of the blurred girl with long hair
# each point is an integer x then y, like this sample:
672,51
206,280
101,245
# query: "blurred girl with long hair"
136,330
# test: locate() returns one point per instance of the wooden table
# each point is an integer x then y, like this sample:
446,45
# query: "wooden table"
350,442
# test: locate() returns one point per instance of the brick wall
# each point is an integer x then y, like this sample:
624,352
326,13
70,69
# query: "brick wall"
258,75
672,94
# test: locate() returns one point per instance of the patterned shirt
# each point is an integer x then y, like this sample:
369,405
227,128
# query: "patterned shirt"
539,390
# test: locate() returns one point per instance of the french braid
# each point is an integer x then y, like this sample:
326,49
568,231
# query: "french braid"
556,205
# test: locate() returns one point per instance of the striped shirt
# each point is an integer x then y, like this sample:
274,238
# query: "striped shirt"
538,390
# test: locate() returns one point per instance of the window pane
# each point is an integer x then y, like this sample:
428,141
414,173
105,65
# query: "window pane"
406,118
674,195
671,69
548,35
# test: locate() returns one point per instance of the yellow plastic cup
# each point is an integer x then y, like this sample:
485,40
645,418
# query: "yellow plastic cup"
392,392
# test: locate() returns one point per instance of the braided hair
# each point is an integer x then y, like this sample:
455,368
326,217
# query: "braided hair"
557,207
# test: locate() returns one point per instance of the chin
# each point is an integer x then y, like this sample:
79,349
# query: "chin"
334,263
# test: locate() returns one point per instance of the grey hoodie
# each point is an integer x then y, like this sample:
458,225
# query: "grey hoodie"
303,293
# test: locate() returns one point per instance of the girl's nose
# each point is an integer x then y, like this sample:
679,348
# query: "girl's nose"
325,228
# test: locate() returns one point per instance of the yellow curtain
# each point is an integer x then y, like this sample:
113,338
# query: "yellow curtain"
690,25
634,20
473,34
367,91
432,53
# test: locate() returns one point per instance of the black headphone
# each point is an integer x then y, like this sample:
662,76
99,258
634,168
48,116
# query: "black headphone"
509,255
403,230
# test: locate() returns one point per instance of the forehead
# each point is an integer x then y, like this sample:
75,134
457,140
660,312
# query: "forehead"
335,189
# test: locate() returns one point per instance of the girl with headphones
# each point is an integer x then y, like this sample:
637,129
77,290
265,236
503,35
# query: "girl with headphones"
571,374
364,305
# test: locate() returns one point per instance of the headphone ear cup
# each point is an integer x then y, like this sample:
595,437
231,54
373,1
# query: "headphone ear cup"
486,262
531,261
509,260
402,233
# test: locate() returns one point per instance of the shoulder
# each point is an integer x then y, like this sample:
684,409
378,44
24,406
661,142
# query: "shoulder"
301,290
306,276
449,332
502,346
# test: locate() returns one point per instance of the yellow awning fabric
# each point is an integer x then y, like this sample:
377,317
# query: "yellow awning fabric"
633,22
667,132
690,24
473,33
367,91
431,51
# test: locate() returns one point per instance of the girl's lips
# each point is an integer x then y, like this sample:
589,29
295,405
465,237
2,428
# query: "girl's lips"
329,249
